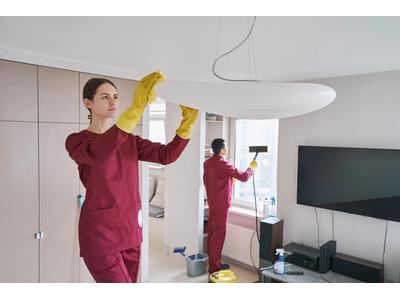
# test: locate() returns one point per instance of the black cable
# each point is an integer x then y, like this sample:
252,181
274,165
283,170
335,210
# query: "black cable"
316,218
248,48
333,225
255,205
384,244
230,51
333,233
251,246
254,58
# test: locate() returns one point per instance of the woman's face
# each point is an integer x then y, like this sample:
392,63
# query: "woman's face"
105,102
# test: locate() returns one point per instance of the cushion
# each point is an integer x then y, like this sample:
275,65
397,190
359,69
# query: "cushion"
152,187
158,199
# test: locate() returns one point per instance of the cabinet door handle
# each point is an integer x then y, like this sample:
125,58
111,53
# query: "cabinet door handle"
39,235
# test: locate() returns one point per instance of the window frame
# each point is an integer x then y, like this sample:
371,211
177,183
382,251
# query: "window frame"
158,117
238,202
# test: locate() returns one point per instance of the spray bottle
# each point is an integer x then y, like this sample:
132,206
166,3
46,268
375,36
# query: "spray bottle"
279,267
272,208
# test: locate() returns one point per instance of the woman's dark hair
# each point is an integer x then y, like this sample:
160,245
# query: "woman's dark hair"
91,86
217,145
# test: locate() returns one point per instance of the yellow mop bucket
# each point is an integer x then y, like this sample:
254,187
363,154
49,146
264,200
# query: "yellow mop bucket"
222,276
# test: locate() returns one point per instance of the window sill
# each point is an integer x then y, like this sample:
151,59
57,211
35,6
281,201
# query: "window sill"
157,167
244,212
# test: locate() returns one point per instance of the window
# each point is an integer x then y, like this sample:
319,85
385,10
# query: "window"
256,133
157,121
157,131
157,124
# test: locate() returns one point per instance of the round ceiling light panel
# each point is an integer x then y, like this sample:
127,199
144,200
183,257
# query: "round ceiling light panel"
248,100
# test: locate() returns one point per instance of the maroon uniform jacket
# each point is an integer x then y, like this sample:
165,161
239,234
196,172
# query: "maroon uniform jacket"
110,219
217,180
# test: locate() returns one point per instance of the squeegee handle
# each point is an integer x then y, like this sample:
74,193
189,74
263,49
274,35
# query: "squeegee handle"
255,156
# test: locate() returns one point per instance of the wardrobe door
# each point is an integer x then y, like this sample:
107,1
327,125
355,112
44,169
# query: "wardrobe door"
58,95
18,97
19,249
59,208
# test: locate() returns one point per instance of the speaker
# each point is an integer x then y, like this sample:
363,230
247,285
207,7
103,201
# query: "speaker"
327,250
358,268
271,237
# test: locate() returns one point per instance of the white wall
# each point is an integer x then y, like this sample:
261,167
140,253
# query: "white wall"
366,113
143,131
239,241
184,196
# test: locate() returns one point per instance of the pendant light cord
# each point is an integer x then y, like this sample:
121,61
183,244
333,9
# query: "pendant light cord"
230,51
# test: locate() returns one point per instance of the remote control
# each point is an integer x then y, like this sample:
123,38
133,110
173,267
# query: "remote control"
294,272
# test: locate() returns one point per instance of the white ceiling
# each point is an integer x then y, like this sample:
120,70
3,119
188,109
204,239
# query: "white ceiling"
286,48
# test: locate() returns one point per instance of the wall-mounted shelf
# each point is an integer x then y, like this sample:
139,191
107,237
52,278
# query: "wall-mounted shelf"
210,117
214,121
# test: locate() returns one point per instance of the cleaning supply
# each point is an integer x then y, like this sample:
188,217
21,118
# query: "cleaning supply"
267,204
272,208
253,165
222,276
196,264
80,200
143,96
260,207
189,116
279,267
180,250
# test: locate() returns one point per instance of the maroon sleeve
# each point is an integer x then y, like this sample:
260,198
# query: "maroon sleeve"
204,174
94,150
159,153
235,173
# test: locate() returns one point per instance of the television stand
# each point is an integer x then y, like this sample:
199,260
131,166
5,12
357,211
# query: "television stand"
268,276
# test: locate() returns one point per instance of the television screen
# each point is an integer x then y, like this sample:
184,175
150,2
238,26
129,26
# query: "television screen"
354,180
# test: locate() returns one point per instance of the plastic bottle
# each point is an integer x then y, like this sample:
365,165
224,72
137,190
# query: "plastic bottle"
266,206
260,208
80,200
279,267
272,208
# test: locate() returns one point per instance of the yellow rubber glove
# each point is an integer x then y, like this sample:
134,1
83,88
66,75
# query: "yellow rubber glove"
189,116
253,165
143,96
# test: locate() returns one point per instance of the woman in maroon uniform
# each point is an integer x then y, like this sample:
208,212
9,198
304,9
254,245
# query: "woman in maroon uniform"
110,224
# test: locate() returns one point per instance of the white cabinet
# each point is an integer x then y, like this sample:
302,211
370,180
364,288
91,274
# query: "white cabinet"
18,97
39,182
58,95
59,208
19,211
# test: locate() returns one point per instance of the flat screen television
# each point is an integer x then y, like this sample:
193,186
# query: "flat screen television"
354,180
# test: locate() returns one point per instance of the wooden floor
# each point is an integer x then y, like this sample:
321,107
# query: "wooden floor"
172,268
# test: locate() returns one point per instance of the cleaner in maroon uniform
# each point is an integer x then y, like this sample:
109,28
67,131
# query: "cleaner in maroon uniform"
218,178
110,224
